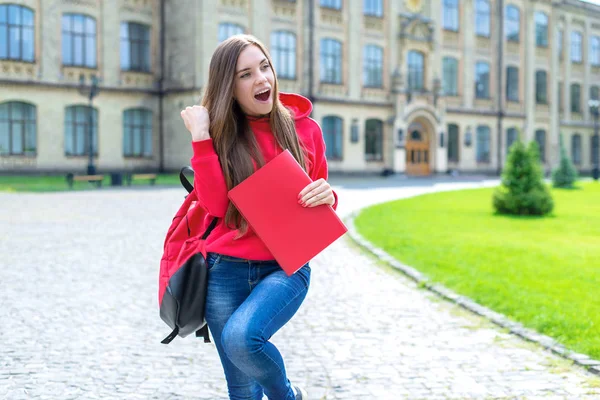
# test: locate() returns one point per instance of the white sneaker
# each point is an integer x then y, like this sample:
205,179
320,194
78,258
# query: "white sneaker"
300,393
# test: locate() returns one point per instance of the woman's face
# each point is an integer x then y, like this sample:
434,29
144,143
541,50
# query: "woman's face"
254,81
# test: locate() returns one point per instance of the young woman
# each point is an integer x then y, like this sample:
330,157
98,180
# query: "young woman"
243,123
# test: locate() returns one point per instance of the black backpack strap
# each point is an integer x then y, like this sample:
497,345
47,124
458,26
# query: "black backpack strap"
210,228
203,332
184,180
171,336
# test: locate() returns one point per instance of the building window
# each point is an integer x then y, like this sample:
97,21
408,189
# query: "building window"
511,137
373,8
227,30
512,84
415,70
374,140
512,22
595,51
540,138
576,149
594,143
137,133
373,66
594,93
335,4
576,48
283,52
135,47
451,15
17,40
333,134
482,18
541,87
559,39
450,74
17,129
561,104
483,144
541,29
482,80
453,143
79,40
331,61
575,98
77,139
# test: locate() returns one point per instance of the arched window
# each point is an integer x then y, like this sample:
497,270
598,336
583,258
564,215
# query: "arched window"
483,144
576,149
283,53
416,70
374,140
541,87
18,129
482,18
137,133
540,138
135,47
512,23
17,39
373,66
512,135
482,80
78,40
77,133
334,137
576,47
541,29
228,29
331,61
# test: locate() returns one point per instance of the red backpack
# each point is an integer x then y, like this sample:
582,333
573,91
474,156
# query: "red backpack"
183,276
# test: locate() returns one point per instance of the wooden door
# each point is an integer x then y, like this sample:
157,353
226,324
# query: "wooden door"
417,151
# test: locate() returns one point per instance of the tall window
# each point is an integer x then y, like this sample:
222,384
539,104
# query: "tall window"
575,98
452,143
595,51
415,70
373,140
512,23
512,84
483,144
576,48
16,33
331,61
283,52
227,29
482,18
561,97
576,149
79,40
541,87
77,139
594,93
334,137
594,143
335,4
541,29
540,138
373,8
135,47
17,129
450,74
451,15
560,38
482,80
373,66
511,137
137,133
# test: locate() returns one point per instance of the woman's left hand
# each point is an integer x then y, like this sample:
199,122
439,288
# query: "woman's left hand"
316,193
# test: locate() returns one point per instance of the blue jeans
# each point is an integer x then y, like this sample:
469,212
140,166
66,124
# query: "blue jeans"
246,303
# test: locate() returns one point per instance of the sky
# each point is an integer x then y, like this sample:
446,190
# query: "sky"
593,1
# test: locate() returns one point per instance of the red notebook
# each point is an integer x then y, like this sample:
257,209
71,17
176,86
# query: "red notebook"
268,200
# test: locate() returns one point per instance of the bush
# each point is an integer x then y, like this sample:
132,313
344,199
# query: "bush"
565,175
523,191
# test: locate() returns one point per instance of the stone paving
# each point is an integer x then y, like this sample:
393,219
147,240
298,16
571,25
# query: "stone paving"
79,315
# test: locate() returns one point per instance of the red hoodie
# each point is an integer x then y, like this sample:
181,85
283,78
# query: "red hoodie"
210,186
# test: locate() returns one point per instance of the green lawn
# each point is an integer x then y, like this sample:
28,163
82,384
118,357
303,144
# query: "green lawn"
542,272
53,183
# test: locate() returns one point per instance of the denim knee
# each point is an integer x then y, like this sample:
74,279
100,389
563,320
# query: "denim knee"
239,340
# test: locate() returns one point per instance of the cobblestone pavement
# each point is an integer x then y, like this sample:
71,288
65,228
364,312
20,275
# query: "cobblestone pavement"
79,316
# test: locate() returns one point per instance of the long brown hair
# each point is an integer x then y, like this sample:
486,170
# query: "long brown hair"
233,139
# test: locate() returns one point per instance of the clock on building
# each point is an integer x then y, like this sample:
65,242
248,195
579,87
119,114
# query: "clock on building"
413,5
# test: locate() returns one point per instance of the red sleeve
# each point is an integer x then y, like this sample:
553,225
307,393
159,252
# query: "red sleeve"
319,167
209,181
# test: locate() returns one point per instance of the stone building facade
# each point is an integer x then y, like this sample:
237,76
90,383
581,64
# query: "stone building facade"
408,86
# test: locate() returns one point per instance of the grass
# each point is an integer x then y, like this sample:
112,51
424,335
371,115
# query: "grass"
542,272
54,183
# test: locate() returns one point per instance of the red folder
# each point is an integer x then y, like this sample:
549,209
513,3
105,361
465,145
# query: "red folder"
268,200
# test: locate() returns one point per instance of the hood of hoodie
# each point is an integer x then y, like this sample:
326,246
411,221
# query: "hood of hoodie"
299,106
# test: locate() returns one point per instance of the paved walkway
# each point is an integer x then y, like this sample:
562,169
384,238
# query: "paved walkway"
79,315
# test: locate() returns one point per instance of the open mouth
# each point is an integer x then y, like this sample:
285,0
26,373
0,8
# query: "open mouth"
263,96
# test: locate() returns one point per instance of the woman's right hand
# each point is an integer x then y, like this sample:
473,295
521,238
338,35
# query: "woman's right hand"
197,121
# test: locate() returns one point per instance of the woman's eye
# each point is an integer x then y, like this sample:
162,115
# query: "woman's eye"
265,66
245,75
